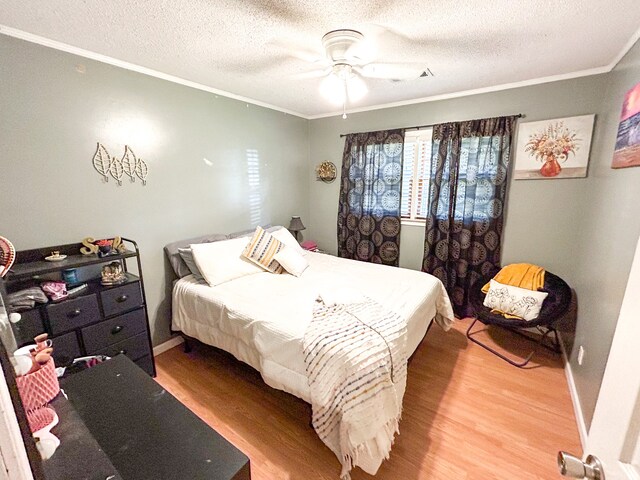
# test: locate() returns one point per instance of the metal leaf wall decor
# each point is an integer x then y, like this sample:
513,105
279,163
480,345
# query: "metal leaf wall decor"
102,162
142,170
116,170
128,165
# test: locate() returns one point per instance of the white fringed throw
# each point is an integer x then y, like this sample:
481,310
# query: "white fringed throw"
356,362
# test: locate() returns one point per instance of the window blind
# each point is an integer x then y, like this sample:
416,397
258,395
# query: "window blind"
416,174
407,178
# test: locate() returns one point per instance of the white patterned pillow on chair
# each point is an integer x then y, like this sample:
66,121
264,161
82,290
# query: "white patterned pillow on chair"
517,301
262,249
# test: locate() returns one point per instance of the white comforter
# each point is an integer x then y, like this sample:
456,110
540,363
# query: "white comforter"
261,318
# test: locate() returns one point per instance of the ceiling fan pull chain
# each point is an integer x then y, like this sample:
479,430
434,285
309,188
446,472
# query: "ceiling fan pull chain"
344,101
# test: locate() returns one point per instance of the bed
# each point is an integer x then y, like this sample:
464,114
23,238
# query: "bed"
261,319
340,356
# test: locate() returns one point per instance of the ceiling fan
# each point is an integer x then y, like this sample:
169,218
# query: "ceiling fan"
349,58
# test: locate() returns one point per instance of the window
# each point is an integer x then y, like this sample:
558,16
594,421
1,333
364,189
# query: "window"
415,175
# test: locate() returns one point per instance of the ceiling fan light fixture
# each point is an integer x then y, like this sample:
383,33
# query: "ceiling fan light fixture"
333,89
356,88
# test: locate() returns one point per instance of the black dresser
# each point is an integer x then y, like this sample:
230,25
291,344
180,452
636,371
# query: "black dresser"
106,320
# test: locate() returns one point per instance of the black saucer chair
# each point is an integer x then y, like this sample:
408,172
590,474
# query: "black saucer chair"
554,307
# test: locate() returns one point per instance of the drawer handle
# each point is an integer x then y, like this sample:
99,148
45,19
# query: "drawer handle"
74,313
116,330
122,352
122,298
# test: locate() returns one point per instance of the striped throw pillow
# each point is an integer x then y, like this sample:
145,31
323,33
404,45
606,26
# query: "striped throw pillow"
262,249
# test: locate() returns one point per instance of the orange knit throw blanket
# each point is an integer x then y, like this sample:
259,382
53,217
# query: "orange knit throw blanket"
523,275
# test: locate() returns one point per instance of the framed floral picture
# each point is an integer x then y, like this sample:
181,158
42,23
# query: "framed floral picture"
627,152
556,148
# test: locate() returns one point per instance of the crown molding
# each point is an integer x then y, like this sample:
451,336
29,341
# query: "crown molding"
46,42
628,46
496,88
30,37
466,93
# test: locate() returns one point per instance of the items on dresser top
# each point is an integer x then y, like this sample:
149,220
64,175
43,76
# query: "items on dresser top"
70,276
100,320
26,298
103,247
55,257
113,274
56,291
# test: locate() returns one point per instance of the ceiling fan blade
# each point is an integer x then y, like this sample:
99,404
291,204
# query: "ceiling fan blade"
388,41
361,53
312,74
294,49
392,71
395,40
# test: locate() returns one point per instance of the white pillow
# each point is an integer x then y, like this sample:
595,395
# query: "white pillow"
517,301
289,240
291,261
220,262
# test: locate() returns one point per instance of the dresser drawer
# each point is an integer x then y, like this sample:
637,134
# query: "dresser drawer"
73,313
65,348
114,330
116,300
134,347
29,326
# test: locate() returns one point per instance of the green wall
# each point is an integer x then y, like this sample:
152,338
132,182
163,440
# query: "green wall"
584,230
606,240
199,147
541,216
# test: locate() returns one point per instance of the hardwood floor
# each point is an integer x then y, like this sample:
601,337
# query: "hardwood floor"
467,414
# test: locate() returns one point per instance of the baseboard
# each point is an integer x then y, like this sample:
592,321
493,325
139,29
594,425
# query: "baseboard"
577,409
168,345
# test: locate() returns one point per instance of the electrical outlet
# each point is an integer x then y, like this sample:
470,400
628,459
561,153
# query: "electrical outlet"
580,355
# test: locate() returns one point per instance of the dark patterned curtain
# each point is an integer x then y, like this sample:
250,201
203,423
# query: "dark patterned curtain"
369,209
469,164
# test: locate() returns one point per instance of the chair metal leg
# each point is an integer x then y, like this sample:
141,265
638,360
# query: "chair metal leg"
554,347
523,363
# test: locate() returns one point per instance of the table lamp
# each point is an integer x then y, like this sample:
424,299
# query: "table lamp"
295,226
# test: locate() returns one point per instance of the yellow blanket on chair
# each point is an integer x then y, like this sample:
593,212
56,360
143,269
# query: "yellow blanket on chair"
523,275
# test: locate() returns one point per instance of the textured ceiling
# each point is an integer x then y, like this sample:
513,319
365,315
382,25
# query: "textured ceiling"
256,48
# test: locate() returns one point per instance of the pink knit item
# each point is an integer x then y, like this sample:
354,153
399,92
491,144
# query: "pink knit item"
41,418
37,389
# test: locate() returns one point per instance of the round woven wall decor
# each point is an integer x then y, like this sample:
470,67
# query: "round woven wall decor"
326,172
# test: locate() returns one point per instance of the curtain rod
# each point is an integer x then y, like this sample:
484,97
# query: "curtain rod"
418,127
